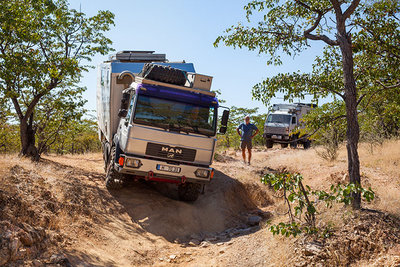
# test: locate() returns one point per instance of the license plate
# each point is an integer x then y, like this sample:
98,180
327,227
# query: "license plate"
277,137
168,168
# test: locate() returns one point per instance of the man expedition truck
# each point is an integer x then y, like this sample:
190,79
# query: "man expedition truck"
282,120
157,121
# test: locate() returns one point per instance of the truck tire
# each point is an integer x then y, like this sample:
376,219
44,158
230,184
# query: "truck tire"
293,144
307,144
189,191
106,154
284,145
269,143
114,179
164,74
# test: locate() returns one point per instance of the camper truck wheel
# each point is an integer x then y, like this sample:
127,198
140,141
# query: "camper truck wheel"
114,180
285,145
307,144
189,191
293,144
106,154
269,143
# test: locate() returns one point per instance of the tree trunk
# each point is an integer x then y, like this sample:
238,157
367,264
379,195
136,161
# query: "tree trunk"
28,139
353,129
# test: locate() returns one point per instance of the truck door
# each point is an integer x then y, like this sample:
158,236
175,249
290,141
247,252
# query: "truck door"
293,123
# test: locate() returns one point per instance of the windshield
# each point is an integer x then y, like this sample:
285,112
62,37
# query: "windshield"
175,115
279,118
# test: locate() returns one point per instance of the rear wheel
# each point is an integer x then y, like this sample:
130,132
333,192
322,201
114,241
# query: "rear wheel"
106,154
189,191
307,144
114,179
293,144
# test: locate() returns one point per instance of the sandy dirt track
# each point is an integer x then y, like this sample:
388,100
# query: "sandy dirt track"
143,224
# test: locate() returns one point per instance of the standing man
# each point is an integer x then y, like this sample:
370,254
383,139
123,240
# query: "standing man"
246,135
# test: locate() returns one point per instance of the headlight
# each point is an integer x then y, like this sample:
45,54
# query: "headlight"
133,163
202,173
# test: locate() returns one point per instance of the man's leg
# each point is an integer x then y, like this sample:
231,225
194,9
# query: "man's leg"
243,147
249,150
249,147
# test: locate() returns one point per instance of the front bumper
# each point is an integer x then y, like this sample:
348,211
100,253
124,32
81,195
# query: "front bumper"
278,138
148,170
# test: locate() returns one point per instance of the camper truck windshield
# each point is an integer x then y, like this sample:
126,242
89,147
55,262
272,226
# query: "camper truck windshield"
176,116
279,118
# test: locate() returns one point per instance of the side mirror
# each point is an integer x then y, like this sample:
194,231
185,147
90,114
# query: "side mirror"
224,122
125,100
122,113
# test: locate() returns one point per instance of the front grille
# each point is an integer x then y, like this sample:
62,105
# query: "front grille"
172,153
275,130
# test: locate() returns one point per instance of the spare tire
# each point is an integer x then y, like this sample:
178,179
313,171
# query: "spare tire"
164,74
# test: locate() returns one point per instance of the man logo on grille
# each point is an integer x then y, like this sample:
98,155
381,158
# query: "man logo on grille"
170,155
171,150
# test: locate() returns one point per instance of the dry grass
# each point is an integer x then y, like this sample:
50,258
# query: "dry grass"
385,158
92,162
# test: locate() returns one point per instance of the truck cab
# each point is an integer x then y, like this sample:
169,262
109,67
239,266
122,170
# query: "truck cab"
157,121
282,121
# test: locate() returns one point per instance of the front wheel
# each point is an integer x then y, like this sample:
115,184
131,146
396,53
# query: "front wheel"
189,191
285,145
269,143
114,179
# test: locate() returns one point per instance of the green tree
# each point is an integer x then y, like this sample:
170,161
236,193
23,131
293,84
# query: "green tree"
43,47
78,137
54,113
289,26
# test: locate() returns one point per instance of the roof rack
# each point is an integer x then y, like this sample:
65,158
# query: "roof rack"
138,56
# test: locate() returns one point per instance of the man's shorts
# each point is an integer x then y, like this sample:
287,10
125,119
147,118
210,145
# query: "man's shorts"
246,143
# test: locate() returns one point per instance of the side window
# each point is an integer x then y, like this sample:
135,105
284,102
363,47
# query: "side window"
293,120
128,116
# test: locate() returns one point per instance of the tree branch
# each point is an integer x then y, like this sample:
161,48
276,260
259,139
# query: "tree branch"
351,9
374,93
317,37
336,5
336,92
17,108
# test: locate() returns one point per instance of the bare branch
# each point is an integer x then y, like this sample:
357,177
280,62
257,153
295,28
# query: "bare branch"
317,37
336,92
350,10
389,87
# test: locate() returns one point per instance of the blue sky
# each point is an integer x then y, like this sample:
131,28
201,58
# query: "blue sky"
186,30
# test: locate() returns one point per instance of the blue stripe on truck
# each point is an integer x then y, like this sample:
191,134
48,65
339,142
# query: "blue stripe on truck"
118,67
